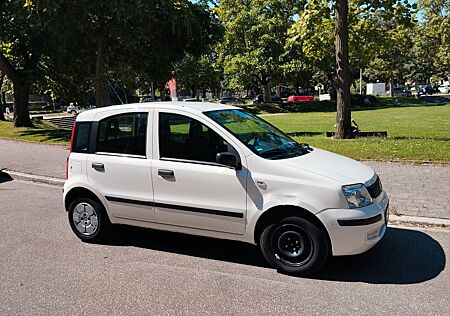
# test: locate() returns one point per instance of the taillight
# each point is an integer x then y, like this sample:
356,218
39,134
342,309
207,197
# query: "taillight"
70,150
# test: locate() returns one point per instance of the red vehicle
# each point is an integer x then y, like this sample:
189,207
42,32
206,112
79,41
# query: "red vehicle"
300,98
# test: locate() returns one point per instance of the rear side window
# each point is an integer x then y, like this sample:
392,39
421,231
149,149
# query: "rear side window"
81,137
123,134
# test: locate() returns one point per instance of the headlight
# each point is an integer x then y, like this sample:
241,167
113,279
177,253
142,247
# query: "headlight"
357,195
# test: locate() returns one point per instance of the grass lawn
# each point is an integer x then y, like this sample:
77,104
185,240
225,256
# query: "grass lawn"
43,133
414,133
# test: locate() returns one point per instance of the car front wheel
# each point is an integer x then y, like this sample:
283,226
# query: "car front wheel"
295,246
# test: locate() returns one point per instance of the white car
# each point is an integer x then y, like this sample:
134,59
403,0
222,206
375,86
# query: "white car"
214,170
73,109
444,89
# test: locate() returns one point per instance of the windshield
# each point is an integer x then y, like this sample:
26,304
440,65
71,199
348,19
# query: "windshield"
262,138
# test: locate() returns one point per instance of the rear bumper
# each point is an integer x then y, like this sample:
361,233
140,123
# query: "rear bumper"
354,231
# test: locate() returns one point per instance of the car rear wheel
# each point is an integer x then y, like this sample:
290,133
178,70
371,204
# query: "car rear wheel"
88,220
294,245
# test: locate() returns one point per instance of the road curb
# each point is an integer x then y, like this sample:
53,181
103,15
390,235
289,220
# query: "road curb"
34,178
416,220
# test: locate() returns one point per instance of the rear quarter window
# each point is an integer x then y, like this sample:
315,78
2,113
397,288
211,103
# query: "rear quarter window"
81,137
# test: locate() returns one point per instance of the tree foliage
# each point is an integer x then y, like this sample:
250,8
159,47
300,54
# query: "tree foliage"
254,40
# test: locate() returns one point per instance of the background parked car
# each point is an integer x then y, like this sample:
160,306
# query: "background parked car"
273,99
425,90
444,89
73,109
51,106
147,99
192,100
400,92
300,98
231,100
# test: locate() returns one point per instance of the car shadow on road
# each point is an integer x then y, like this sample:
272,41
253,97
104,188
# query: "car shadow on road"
189,245
403,256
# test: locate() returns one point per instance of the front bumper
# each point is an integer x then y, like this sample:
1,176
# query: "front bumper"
354,231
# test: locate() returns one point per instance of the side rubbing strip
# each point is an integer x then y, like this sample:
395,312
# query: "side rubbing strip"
175,207
199,210
128,201
360,222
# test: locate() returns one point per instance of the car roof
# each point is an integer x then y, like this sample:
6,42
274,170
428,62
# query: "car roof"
193,107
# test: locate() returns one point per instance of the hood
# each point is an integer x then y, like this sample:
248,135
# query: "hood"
334,166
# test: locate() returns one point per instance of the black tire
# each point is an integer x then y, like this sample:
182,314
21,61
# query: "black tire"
295,246
103,224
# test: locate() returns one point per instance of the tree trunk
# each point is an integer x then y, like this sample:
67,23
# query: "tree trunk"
343,115
2,99
21,98
266,92
99,82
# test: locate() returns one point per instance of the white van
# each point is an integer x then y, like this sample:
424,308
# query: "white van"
214,170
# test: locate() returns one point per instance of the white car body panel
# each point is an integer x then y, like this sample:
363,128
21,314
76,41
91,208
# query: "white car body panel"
311,182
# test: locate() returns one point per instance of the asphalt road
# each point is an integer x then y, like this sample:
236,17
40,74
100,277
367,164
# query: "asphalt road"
46,270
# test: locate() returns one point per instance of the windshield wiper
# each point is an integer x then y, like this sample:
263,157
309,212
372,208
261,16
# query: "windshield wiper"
283,152
274,151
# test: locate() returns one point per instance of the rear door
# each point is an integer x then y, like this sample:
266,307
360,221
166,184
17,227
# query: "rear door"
120,169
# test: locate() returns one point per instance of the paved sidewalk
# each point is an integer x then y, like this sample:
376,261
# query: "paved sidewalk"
414,190
34,158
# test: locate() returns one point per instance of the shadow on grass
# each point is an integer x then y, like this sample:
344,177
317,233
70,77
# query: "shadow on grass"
404,256
61,135
266,107
438,138
300,134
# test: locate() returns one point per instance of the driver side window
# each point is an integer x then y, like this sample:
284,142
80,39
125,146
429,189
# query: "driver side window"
182,137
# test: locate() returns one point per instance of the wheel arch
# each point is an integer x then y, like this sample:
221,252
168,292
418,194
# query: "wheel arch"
277,213
77,192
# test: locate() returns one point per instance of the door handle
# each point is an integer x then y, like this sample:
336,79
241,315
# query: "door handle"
97,166
166,173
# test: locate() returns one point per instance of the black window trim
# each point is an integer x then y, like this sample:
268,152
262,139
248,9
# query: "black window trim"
101,153
196,162
94,137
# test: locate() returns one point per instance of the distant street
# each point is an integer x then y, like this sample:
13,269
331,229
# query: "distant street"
46,270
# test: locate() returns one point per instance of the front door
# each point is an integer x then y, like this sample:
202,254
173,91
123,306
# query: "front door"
120,169
190,188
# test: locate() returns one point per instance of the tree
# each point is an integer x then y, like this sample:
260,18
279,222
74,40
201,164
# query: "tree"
343,114
2,103
131,42
22,44
254,40
358,26
434,26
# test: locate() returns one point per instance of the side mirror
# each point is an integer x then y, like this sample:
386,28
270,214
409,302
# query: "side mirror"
228,159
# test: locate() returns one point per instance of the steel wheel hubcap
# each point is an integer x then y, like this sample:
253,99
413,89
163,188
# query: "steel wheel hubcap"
292,245
85,219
